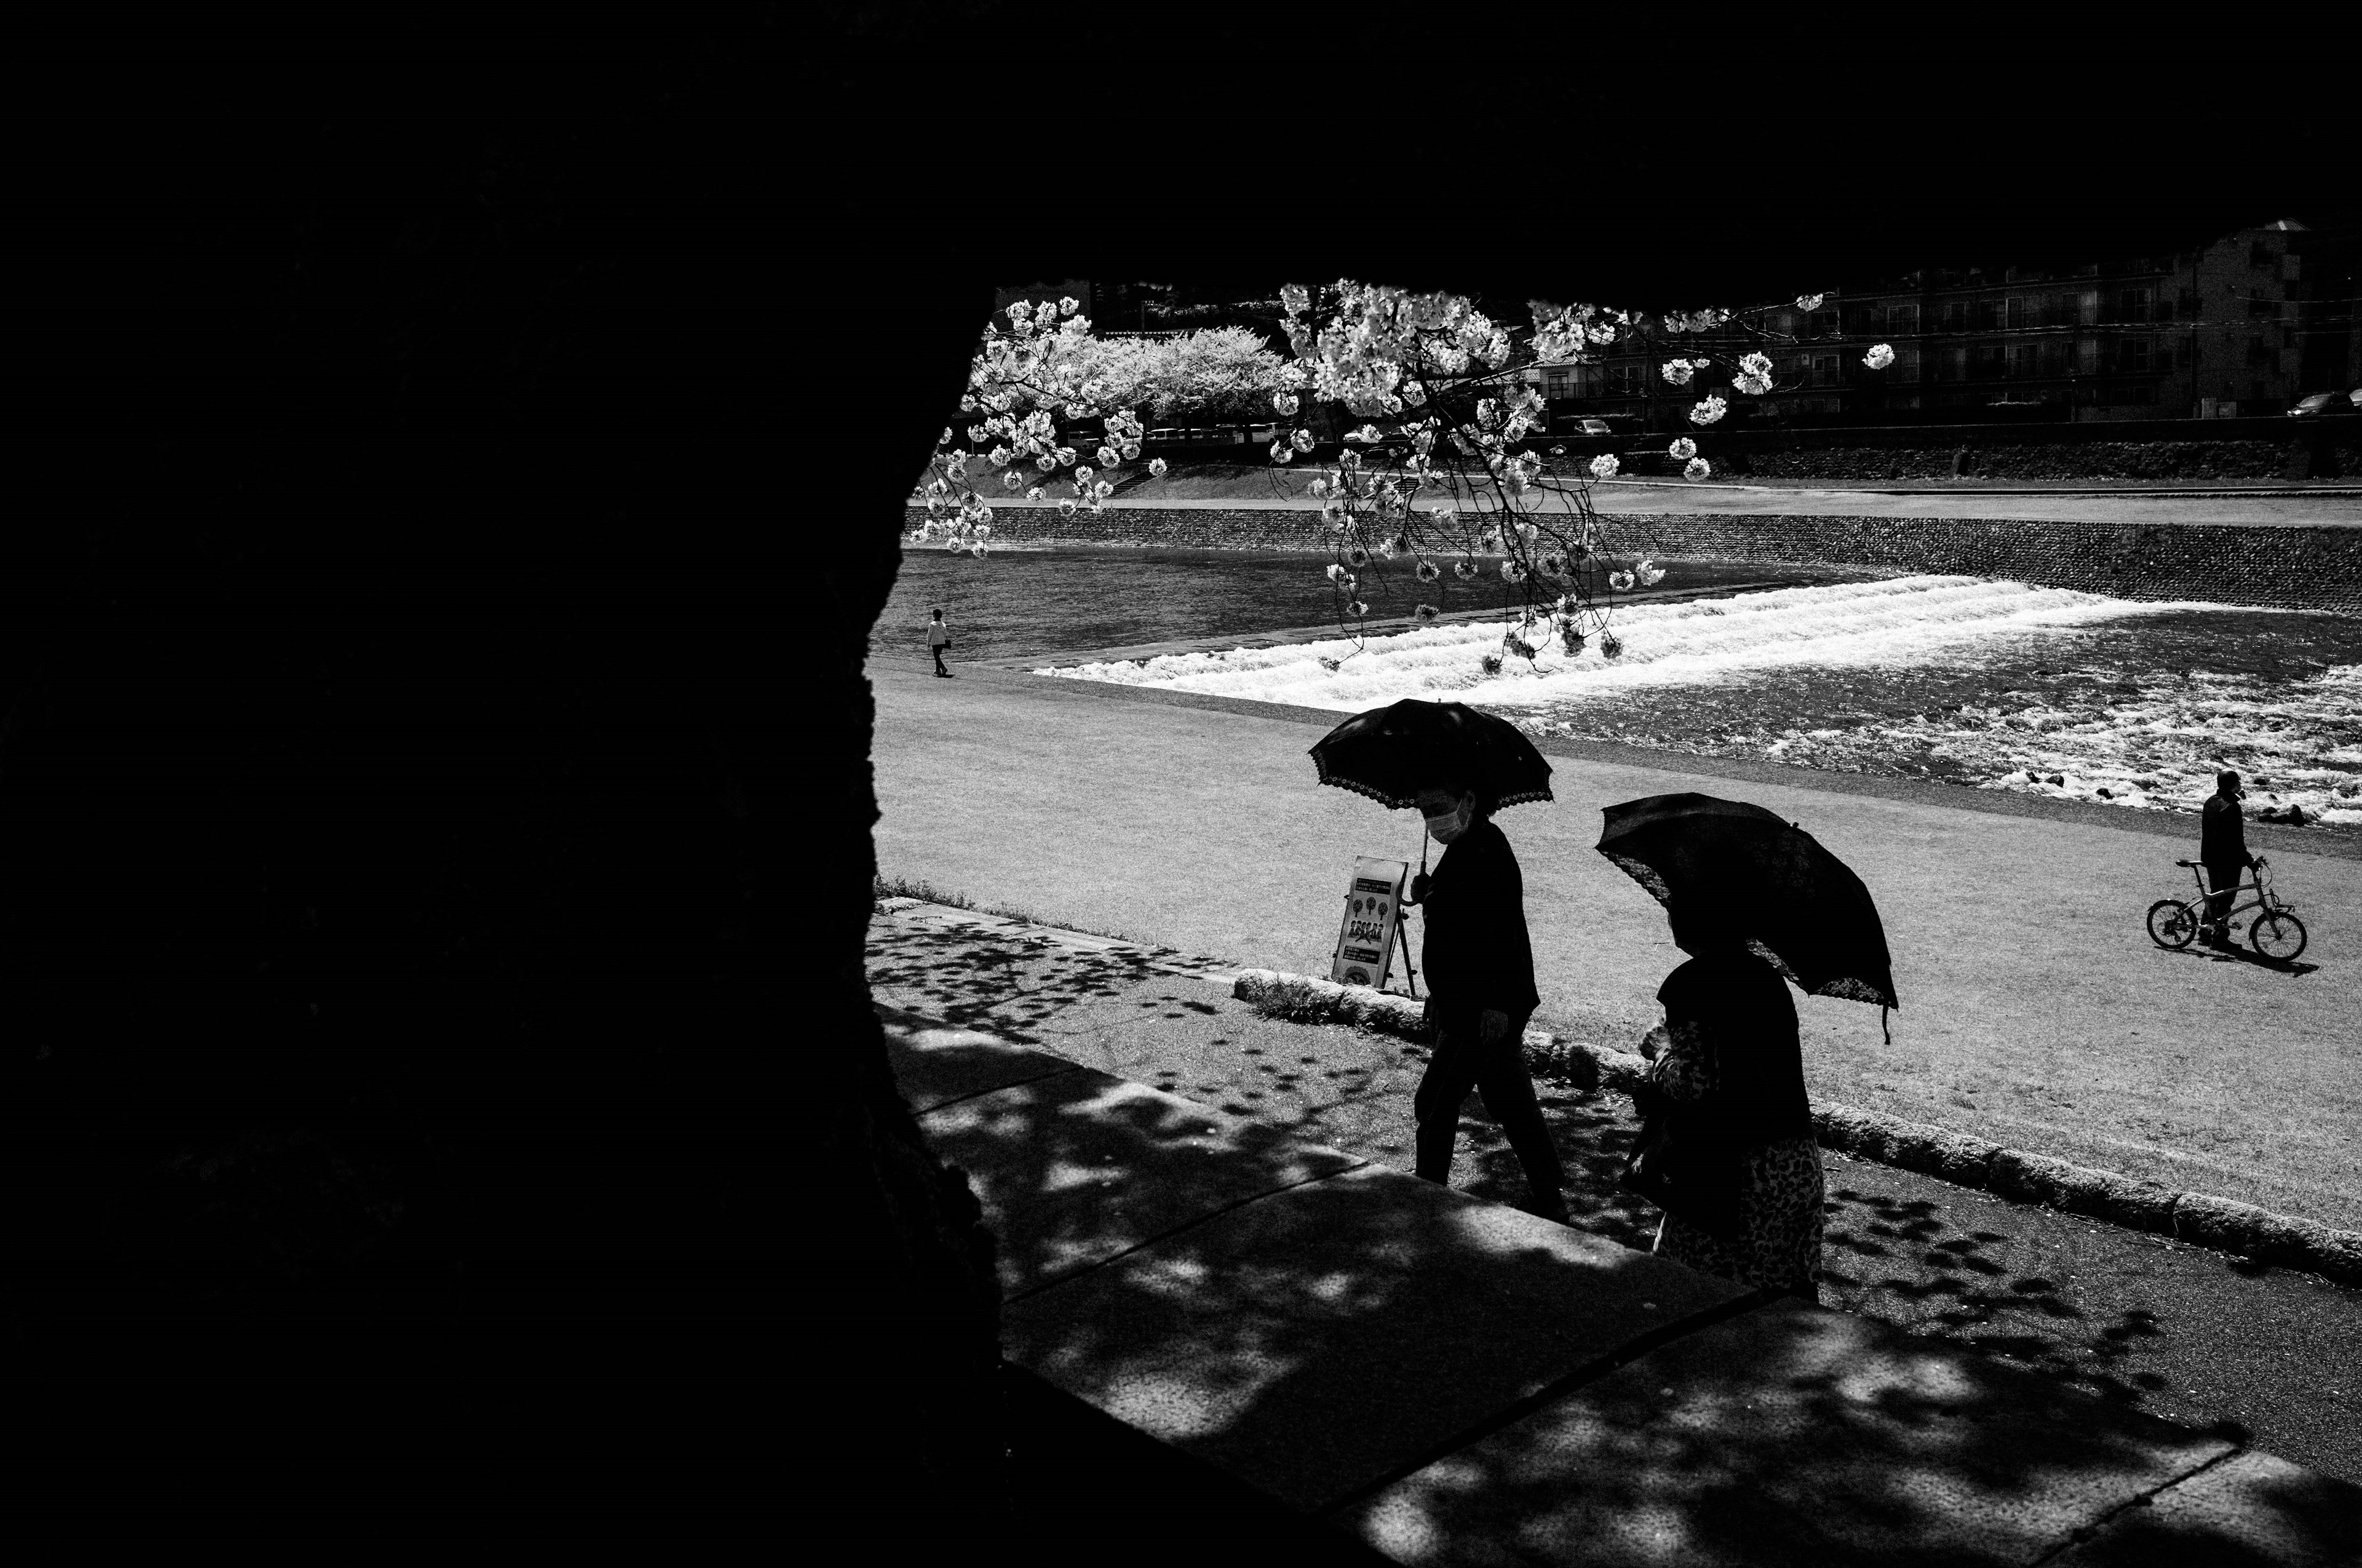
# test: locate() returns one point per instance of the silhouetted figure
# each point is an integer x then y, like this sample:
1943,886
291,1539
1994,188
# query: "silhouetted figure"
939,637
1480,981
2223,848
1726,1094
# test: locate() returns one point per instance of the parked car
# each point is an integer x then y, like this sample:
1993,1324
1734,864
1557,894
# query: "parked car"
1593,427
2321,405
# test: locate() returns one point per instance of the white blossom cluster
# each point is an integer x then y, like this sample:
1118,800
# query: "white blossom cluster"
1879,356
1563,336
1678,373
1754,377
1696,321
1712,409
1376,344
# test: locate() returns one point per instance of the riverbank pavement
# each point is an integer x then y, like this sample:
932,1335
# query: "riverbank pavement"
1447,1380
2037,1015
2141,1320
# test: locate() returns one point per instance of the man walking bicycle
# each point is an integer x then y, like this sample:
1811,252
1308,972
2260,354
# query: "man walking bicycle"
2222,849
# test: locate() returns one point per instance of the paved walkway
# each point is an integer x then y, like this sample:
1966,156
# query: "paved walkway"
2037,1013
2141,1320
1450,1381
2263,505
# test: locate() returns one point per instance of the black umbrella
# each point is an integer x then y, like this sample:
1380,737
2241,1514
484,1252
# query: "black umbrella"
1390,753
1804,907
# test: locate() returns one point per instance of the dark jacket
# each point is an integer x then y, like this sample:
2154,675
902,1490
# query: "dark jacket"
1751,1022
2222,835
1476,953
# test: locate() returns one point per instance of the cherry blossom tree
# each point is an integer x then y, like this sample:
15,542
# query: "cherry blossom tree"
1459,487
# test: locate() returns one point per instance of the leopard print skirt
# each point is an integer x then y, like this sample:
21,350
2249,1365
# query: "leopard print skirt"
1781,1203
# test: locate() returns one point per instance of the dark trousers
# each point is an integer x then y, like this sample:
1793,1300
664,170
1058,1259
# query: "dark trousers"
937,649
2222,884
1497,1071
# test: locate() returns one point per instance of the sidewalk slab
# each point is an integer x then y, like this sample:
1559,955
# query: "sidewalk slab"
936,1067
1079,1168
1794,1434
2250,1508
1315,1341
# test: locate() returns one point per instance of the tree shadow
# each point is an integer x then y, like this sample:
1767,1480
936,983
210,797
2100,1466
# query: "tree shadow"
1795,1435
981,979
1359,1345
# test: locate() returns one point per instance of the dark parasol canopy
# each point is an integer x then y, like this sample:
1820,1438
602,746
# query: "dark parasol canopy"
1803,906
1390,753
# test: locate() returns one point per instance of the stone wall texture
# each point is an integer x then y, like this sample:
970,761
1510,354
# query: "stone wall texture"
2314,566
2093,459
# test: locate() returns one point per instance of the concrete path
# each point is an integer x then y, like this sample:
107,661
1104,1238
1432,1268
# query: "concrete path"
2336,509
1450,1381
2037,1013
2263,505
2141,1320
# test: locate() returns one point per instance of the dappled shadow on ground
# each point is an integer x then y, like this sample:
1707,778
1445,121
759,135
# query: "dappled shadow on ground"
1352,1341
1001,983
2142,1322
1791,1435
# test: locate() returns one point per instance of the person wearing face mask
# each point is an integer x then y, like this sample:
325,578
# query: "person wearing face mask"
1480,979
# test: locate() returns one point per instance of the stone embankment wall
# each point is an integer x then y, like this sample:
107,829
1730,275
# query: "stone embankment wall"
2096,460
2289,566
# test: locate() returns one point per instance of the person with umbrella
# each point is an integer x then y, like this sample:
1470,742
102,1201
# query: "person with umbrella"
1726,1150
1458,767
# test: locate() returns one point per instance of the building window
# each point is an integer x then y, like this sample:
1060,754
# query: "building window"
1825,369
2024,360
2087,307
1824,323
2132,355
1558,381
2087,356
2133,305
1907,365
1903,320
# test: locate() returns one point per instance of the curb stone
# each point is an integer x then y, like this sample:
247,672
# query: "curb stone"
2195,1217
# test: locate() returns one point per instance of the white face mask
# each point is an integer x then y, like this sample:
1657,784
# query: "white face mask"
1451,823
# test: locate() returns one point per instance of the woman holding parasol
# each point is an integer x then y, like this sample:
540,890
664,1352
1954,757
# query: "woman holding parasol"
1458,766
1727,1149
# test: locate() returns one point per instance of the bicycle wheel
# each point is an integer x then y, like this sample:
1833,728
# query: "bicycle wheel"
2278,936
2172,923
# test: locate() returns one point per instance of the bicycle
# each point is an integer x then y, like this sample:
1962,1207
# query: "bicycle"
2275,933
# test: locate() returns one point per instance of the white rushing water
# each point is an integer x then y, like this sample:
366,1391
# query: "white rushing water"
2151,739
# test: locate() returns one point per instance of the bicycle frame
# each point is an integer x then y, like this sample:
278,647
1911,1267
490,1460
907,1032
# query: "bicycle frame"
2256,885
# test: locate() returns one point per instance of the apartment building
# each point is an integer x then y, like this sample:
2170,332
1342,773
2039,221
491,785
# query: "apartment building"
2247,324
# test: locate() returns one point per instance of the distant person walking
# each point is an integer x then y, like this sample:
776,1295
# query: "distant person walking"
1726,1103
1480,979
939,637
2222,849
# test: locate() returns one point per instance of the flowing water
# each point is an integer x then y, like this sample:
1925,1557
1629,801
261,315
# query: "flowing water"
1992,684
